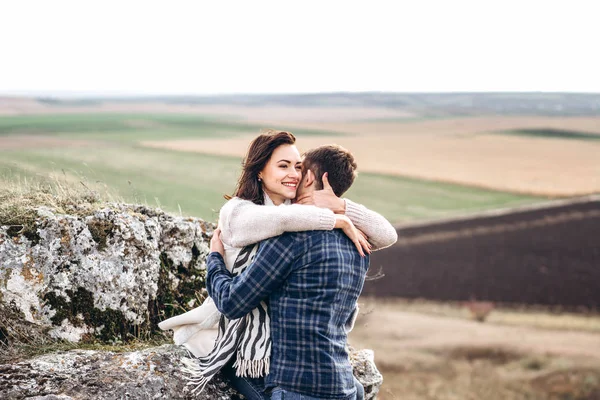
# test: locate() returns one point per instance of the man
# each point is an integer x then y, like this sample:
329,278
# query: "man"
313,280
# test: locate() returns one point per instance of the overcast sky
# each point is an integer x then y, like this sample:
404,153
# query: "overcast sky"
252,46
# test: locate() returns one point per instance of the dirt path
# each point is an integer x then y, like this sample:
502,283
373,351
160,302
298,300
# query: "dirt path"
431,357
389,333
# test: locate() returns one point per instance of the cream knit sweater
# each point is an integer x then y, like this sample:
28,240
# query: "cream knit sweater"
242,223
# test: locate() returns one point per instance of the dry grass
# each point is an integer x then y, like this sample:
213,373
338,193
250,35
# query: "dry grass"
429,350
526,316
486,374
37,343
21,340
17,335
20,199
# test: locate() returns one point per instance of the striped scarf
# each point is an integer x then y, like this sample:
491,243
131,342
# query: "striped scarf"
247,338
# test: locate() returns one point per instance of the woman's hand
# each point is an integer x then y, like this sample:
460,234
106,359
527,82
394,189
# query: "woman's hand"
215,243
358,238
324,198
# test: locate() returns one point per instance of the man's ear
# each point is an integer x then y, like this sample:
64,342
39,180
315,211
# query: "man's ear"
309,178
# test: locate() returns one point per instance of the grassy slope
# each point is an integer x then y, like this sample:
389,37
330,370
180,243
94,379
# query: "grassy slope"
405,199
197,182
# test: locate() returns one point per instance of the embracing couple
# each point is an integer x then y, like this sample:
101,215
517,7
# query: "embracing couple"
284,278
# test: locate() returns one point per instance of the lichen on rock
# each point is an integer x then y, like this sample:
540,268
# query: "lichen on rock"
105,276
153,373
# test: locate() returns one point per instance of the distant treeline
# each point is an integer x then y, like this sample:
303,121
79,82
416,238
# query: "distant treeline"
422,104
548,256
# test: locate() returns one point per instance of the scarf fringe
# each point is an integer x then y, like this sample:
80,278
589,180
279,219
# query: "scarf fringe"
252,368
195,377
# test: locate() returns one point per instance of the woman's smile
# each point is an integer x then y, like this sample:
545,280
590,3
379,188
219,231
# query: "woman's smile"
282,173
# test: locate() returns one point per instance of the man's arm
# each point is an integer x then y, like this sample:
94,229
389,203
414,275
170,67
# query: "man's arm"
237,296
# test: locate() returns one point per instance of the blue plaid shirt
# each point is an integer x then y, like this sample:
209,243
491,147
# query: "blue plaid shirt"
312,280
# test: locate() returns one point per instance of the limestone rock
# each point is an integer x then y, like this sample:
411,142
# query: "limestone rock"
108,276
153,373
84,374
366,372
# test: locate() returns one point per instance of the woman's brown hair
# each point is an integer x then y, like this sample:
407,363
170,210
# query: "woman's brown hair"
248,186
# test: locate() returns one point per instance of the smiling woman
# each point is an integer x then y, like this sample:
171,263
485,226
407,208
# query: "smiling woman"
266,159
282,173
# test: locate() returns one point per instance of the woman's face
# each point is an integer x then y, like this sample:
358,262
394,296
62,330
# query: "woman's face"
282,173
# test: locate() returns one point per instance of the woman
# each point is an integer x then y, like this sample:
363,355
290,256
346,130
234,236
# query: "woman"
270,176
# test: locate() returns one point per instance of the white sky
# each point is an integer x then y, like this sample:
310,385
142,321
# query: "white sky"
253,46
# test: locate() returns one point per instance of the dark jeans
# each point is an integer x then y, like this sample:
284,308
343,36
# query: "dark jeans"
254,388
360,390
282,394
251,388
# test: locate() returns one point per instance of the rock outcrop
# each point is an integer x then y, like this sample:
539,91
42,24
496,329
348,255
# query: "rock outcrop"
85,374
153,373
110,277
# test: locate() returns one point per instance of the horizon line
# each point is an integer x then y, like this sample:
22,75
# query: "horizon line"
134,95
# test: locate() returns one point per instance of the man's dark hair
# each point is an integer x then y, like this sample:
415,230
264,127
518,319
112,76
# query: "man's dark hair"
336,161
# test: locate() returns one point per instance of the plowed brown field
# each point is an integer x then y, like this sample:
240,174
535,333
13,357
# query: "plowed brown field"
546,255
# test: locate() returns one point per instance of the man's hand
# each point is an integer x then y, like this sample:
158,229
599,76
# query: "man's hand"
215,243
324,198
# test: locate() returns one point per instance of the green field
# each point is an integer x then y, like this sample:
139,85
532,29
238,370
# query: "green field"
550,133
131,127
114,162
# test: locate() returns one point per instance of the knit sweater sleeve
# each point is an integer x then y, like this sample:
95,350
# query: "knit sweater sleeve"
242,222
380,232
